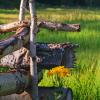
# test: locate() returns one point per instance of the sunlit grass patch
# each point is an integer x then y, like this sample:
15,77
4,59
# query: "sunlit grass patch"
4,69
6,35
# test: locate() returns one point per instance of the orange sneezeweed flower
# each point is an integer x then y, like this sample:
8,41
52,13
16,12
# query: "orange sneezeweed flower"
60,70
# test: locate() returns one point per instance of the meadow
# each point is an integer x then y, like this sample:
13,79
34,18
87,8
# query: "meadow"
85,78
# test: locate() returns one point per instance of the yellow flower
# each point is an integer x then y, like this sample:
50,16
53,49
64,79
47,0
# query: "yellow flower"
60,70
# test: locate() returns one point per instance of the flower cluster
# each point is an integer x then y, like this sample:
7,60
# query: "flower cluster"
60,70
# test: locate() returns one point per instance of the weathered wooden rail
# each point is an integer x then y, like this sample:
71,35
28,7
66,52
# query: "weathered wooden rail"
22,35
13,82
47,55
45,93
40,24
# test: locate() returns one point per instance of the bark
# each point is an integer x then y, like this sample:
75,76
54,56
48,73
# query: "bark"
48,56
18,58
15,82
33,63
45,93
44,24
48,93
22,15
22,96
15,42
60,26
22,10
12,26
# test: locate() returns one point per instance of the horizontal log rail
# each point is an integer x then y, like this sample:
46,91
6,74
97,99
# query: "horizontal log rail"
17,84
44,94
60,26
12,44
13,83
12,26
43,24
48,55
15,42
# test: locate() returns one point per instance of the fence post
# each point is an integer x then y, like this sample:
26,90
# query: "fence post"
33,64
22,10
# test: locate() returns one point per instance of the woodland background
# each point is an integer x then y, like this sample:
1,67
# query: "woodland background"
63,3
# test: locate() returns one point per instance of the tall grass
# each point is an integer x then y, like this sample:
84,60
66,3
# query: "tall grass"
84,79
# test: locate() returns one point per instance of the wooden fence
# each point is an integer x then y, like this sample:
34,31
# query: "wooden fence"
20,81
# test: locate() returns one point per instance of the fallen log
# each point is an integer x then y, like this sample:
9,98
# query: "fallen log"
43,24
48,56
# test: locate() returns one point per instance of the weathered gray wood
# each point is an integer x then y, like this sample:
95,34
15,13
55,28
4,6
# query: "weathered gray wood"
22,96
17,58
22,10
15,42
12,26
33,63
48,93
48,55
43,24
60,26
45,93
13,82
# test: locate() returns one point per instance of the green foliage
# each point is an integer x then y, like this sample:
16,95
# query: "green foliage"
88,3
9,3
45,3
7,35
2,69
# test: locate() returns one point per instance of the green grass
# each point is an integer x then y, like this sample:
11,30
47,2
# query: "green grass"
85,79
